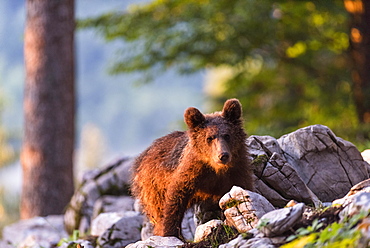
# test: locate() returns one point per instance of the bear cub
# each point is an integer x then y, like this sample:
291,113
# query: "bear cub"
191,167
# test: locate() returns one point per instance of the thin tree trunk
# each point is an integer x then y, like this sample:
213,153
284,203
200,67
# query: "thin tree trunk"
49,108
360,53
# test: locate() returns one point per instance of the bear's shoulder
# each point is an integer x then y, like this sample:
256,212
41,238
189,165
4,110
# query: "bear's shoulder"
166,150
172,140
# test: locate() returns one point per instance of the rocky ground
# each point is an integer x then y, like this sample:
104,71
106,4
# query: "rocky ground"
309,184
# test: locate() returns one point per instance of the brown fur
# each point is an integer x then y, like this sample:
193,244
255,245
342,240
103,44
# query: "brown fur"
185,168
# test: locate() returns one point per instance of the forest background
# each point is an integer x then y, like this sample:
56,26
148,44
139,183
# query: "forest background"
287,61
115,116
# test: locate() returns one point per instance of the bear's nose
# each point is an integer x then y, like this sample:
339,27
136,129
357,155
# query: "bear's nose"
224,157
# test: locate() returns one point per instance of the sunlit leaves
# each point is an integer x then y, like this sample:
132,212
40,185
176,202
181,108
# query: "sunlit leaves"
285,60
342,234
7,151
188,34
296,50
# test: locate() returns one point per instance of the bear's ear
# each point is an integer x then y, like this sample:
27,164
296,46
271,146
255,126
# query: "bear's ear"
232,110
193,117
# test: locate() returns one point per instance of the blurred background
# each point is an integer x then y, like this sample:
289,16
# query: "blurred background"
141,63
116,116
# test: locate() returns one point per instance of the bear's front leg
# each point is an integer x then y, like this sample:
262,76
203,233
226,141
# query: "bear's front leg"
177,200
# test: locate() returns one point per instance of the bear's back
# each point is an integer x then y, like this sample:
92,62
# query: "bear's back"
165,152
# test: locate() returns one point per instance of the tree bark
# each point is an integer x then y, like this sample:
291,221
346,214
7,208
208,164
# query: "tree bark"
49,108
360,53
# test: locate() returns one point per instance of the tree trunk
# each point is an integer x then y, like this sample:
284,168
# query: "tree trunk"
49,108
360,53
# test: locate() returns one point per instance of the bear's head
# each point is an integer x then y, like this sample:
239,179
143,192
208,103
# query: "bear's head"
217,138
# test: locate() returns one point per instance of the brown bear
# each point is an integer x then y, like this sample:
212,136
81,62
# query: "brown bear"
186,168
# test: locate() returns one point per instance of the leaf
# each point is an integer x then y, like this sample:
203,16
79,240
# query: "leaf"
300,242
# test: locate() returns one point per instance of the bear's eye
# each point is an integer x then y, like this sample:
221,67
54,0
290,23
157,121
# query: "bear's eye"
227,137
210,138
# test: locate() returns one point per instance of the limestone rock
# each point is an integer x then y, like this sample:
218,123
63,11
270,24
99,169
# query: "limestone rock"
276,179
36,241
298,166
366,155
158,242
81,242
188,226
359,203
257,242
147,229
111,204
363,186
4,244
206,229
114,179
104,221
281,220
237,242
123,232
36,232
316,153
243,208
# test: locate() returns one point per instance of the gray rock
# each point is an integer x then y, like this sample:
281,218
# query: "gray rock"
363,186
315,153
279,221
147,229
188,226
158,242
206,229
114,179
355,202
258,242
366,155
83,244
235,243
104,221
111,204
276,179
358,203
36,232
243,208
297,166
5,244
123,232
36,241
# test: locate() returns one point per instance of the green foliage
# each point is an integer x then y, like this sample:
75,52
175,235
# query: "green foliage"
9,208
316,225
285,60
74,237
260,160
220,235
302,79
7,152
232,203
189,34
343,234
